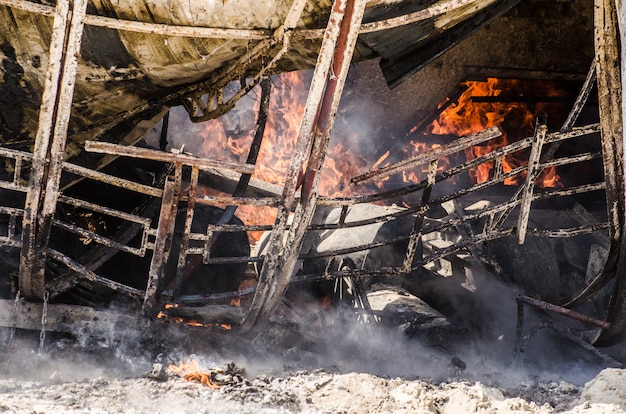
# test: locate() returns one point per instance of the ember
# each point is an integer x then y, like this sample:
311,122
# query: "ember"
177,318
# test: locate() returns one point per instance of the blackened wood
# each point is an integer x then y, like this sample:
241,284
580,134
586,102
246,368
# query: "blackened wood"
610,90
184,243
426,156
164,127
69,318
398,68
162,244
157,155
317,122
50,141
100,255
415,238
533,171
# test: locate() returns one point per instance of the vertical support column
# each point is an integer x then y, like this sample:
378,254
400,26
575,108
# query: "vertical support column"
54,115
306,163
533,171
184,244
621,24
416,234
163,242
609,99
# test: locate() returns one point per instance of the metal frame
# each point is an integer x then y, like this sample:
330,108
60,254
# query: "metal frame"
300,194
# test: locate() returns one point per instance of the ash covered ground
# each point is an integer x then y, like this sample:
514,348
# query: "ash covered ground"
347,368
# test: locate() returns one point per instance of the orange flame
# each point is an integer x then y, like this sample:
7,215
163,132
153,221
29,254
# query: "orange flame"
229,137
190,371
468,117
381,160
189,322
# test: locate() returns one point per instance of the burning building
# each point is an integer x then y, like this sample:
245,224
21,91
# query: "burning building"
502,151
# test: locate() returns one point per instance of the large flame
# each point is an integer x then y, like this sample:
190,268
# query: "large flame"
229,138
468,117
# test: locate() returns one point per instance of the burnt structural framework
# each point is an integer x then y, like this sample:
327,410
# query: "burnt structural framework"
62,242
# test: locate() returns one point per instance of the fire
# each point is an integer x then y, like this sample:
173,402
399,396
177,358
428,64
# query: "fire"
189,322
190,371
468,117
381,160
229,138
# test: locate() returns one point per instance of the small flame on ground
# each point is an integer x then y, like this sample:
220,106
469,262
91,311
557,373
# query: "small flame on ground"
190,370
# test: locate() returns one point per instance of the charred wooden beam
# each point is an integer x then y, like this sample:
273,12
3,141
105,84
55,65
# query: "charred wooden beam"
50,141
523,337
489,211
112,180
101,254
226,182
427,156
533,171
237,201
494,155
165,231
416,234
605,71
436,9
555,137
317,122
87,274
68,318
609,98
157,155
184,243
610,90
581,99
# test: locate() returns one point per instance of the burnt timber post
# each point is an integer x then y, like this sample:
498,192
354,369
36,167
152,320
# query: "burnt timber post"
47,164
306,163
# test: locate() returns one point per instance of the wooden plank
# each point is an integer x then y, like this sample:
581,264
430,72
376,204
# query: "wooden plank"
533,171
416,234
66,318
162,244
54,115
317,122
158,155
610,91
